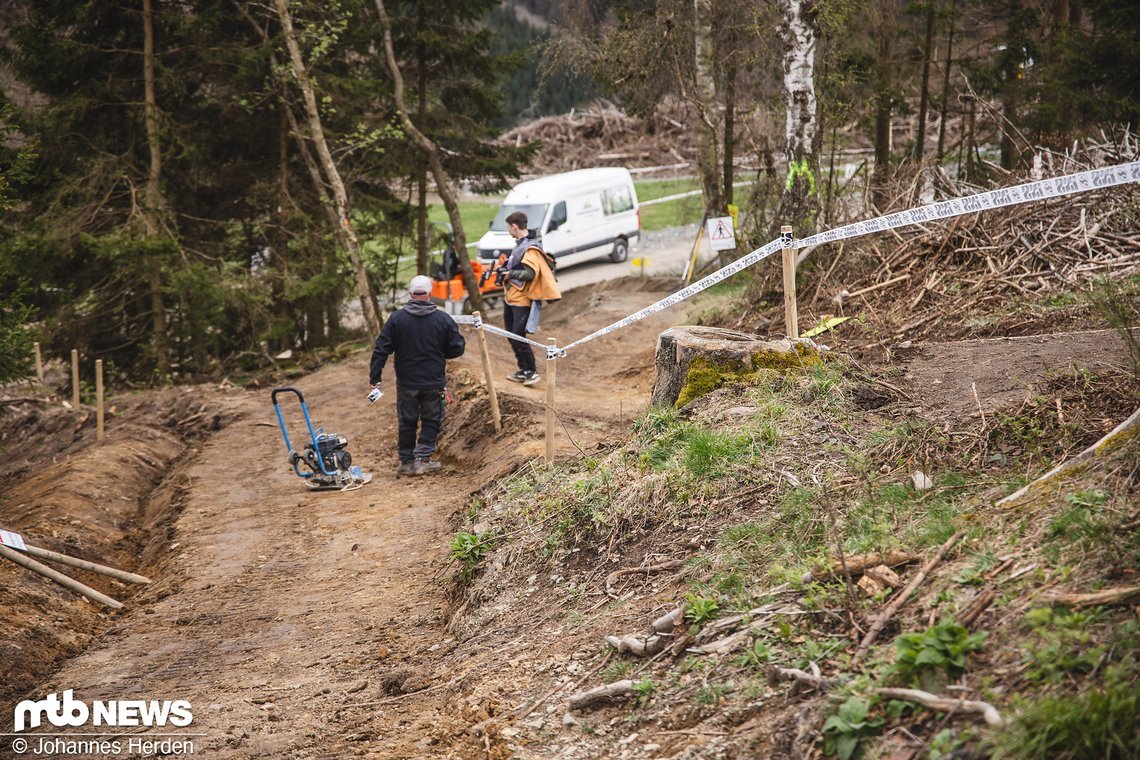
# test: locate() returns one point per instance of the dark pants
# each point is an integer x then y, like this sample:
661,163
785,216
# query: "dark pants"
424,407
515,318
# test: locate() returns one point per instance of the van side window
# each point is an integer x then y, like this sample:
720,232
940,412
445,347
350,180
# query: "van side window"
558,216
616,200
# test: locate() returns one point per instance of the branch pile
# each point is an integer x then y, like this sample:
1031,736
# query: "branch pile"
934,276
603,135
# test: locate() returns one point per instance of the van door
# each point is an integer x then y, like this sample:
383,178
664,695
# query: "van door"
556,235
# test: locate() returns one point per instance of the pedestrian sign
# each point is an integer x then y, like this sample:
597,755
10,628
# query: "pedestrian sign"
14,540
722,237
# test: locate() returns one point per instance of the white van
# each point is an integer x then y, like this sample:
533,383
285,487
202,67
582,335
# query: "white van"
579,216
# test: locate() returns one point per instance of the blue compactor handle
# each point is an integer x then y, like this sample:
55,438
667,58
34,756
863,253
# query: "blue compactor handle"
293,455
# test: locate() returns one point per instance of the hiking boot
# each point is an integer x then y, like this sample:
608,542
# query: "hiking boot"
406,468
518,377
531,378
426,467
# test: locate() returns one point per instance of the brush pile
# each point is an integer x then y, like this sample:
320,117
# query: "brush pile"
603,135
927,281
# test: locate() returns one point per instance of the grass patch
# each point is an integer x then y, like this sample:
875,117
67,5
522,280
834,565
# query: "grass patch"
1096,723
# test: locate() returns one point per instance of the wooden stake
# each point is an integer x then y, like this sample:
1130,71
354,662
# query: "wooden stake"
58,577
83,564
75,378
39,363
791,317
551,363
495,417
98,399
691,267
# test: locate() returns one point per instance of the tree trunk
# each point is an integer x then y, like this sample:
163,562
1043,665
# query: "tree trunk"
885,29
276,238
442,180
421,163
729,127
344,229
706,103
153,202
946,83
924,96
730,351
800,203
1010,155
971,145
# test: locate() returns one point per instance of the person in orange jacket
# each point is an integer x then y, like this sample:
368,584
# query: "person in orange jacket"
529,282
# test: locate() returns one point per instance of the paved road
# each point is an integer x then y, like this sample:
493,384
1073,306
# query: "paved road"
667,252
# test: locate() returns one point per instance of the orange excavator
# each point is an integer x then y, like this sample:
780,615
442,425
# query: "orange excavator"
447,281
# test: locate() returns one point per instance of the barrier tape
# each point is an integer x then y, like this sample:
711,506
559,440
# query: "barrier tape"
1054,187
742,263
470,319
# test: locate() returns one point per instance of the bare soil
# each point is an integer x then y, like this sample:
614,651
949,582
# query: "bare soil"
303,624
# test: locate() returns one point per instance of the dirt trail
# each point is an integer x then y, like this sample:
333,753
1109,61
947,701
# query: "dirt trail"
286,617
303,624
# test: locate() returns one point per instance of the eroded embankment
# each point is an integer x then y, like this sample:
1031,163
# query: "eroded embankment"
113,502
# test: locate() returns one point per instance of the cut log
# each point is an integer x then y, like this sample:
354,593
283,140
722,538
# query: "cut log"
859,563
1096,598
1120,436
60,578
615,690
83,564
945,704
725,354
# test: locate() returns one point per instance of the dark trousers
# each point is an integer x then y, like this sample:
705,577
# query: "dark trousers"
515,318
423,407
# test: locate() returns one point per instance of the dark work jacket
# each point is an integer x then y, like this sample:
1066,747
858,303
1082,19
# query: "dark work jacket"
423,338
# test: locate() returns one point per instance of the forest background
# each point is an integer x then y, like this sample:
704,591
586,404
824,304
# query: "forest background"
190,188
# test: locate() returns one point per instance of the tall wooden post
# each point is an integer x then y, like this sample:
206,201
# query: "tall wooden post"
75,378
39,364
487,374
98,399
551,365
791,317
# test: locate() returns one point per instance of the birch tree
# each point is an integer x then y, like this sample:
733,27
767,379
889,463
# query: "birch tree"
705,99
344,229
800,202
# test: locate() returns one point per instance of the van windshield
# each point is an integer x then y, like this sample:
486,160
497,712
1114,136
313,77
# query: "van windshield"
535,213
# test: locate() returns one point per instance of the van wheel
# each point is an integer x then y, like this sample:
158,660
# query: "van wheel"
621,251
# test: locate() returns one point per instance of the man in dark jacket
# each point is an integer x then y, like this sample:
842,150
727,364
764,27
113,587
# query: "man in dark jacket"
423,338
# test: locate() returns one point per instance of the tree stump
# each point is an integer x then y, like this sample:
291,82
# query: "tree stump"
723,354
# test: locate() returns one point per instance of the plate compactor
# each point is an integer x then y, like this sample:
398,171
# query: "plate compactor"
325,463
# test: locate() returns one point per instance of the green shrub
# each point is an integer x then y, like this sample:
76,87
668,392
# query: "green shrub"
468,549
938,652
700,609
843,731
1063,646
